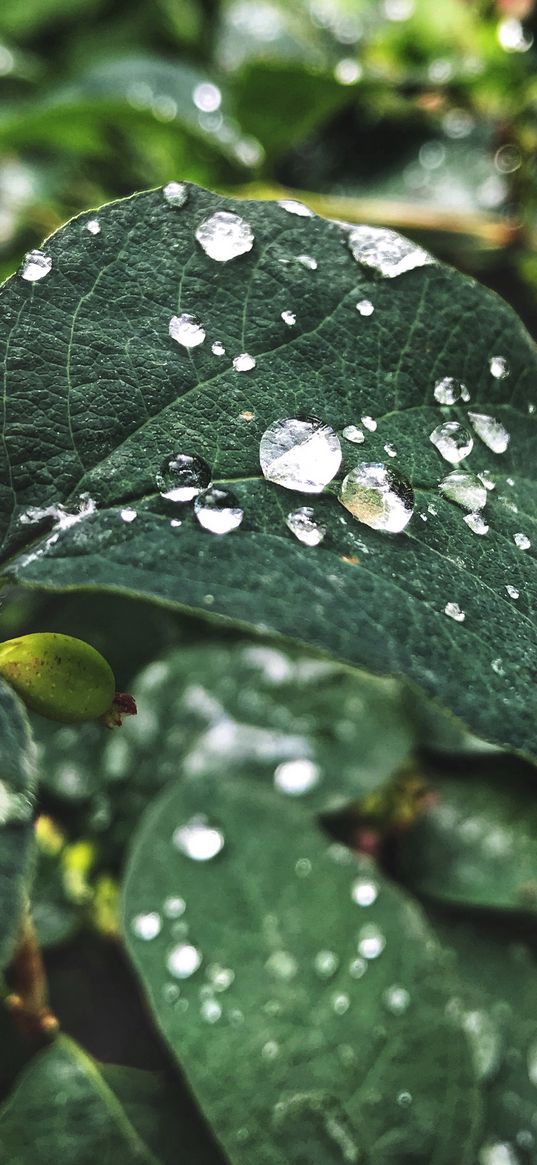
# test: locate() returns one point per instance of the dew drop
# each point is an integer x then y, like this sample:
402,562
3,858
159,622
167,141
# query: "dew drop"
183,960
218,510
369,423
499,367
340,1003
225,236
378,496
357,968
364,892
174,907
210,1010
522,541
465,489
128,514
497,667
297,777
218,348
476,523
175,194
452,440
365,307
386,251
396,999
170,992
512,591
453,611
294,207
308,262
207,97
147,926
220,978
448,390
486,478
243,362
289,318
186,330
492,433
303,525
325,964
182,476
390,449
198,839
354,434
270,1050
303,868
371,941
93,226
497,1153
35,266
282,965
301,453
404,1099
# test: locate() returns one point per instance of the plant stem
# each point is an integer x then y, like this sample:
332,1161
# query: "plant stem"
28,1002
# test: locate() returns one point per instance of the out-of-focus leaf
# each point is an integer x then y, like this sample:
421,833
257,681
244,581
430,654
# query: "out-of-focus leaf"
17,780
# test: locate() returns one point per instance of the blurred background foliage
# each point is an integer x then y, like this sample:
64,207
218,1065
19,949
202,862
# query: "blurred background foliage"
413,114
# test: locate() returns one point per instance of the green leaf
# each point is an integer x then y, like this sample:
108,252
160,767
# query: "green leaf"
476,844
272,919
120,395
163,1114
17,778
62,1110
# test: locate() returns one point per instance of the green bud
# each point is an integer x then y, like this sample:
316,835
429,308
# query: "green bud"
58,676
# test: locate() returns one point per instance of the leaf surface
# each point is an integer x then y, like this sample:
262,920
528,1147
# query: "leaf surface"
17,778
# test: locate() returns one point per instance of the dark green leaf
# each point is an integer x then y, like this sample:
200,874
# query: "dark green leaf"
17,778
309,1045
121,395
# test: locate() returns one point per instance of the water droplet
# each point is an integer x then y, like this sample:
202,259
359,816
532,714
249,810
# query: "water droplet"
210,1010
378,496
326,964
218,348
301,453
365,307
270,1050
303,868
452,440
199,840
386,251
244,362
289,318
448,390
390,449
207,97
176,522
170,992
369,423
282,965
485,1042
499,367
477,523
352,433
497,1153
93,226
364,892
147,926
453,611
497,667
465,489
492,433
522,541
340,1003
35,266
396,999
218,510
303,525
371,941
225,236
221,978
183,960
294,207
404,1099
186,330
128,514
347,71
174,907
512,591
357,968
182,477
296,777
175,194
308,262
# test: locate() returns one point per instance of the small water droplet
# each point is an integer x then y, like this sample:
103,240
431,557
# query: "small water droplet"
452,440
386,251
293,207
176,522
187,330
225,236
218,348
175,194
220,978
497,667
347,71
340,1003
476,523
93,226
378,496
289,318
365,307
396,999
207,97
512,591
218,510
301,453
147,926
371,941
210,1010
492,433
453,611
465,489
297,777
303,868
522,541
182,477
128,514
369,423
390,449
270,1050
404,1099
357,968
326,964
308,262
183,960
354,434
170,992
499,367
243,362
303,524
282,965
364,892
448,390
174,907
198,839
35,266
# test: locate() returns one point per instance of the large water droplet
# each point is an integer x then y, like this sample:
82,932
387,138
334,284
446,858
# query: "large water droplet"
244,362
296,777
35,266
303,524
452,440
364,891
477,523
187,330
497,1153
225,236
386,251
175,194
378,496
448,391
293,207
198,839
182,477
371,941
147,926
218,510
453,611
326,964
492,433
465,489
183,960
354,434
300,453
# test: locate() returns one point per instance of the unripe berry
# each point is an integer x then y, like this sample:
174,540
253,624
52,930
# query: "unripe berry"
58,676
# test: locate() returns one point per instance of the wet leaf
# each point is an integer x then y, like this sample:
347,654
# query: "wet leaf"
17,778
430,603
331,1012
